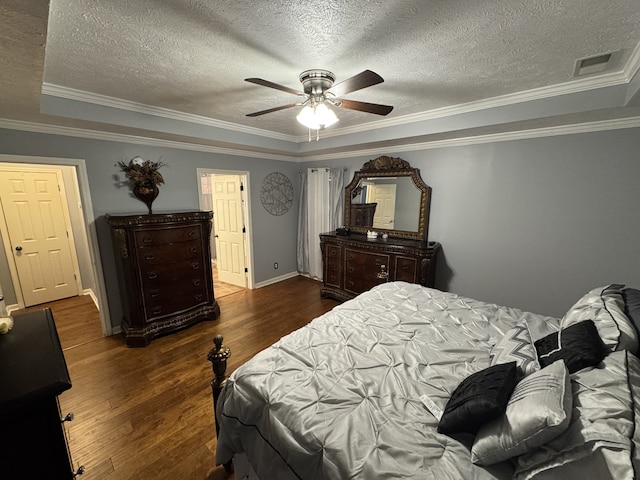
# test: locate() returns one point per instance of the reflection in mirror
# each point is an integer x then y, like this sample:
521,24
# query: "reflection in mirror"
393,202
389,196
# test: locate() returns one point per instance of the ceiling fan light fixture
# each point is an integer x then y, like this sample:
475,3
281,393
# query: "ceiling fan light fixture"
320,94
317,116
325,116
307,117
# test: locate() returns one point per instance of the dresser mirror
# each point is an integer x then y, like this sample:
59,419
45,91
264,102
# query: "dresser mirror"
388,196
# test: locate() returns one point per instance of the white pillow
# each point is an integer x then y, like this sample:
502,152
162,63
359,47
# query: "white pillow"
539,410
516,346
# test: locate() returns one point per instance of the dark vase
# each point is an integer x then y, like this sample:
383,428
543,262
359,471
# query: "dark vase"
146,191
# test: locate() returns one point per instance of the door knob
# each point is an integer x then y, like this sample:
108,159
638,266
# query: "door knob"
18,248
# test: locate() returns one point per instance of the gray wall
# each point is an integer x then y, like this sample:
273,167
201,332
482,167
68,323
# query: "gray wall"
274,238
532,224
535,223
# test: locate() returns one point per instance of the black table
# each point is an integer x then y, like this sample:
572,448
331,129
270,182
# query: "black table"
33,372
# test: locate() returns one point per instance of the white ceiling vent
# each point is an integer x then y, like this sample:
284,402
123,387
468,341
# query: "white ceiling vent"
587,66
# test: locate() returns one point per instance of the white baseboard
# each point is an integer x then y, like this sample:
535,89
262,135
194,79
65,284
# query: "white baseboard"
12,308
273,280
88,291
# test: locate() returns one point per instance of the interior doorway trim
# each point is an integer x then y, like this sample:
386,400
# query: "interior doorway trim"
89,221
201,172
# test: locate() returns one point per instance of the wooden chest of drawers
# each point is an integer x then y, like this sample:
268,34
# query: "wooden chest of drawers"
354,264
164,272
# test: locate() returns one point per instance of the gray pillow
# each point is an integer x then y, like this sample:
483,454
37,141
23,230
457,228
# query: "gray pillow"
631,297
539,410
605,306
600,441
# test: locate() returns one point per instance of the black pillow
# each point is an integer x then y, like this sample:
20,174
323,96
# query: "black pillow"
481,397
631,298
581,347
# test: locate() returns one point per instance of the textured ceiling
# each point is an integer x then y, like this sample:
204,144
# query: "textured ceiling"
191,56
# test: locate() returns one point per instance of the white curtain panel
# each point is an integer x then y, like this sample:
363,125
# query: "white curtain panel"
321,210
319,207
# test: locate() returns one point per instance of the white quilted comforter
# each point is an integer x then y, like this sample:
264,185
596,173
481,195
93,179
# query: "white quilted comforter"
340,397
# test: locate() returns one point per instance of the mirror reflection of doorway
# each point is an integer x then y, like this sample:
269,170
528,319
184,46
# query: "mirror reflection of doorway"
384,195
225,194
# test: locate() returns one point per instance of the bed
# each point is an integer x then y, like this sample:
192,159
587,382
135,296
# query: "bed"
410,382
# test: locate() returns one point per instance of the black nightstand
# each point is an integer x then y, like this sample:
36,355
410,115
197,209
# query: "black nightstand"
33,373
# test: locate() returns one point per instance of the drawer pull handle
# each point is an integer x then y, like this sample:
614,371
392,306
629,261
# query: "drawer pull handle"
193,249
67,418
149,256
152,275
383,274
196,282
155,292
195,266
156,310
198,297
192,233
147,239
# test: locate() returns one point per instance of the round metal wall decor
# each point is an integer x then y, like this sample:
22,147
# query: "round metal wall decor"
276,193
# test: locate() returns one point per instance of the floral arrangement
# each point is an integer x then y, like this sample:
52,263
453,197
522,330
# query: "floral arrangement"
142,172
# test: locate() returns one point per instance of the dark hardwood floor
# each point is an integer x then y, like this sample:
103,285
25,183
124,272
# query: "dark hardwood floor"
76,318
147,413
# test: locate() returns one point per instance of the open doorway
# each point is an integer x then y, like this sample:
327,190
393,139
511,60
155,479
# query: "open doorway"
226,193
73,185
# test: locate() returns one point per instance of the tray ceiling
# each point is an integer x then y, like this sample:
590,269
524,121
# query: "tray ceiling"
186,60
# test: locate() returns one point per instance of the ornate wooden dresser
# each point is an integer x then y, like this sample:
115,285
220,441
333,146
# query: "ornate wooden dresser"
164,271
353,262
33,373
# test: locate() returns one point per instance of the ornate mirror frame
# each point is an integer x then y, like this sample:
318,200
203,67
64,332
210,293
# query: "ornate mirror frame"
391,167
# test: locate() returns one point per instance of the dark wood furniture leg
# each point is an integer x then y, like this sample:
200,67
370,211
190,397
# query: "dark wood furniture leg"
218,356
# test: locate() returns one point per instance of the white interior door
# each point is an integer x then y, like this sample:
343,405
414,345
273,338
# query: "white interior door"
39,232
384,195
229,229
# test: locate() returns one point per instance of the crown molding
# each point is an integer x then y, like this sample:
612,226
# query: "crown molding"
575,86
633,65
118,103
138,140
587,127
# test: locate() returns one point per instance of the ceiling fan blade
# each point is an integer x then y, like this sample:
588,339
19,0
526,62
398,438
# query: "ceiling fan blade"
275,109
357,82
365,107
267,83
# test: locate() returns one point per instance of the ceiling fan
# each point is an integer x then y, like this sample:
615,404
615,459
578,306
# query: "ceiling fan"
319,91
